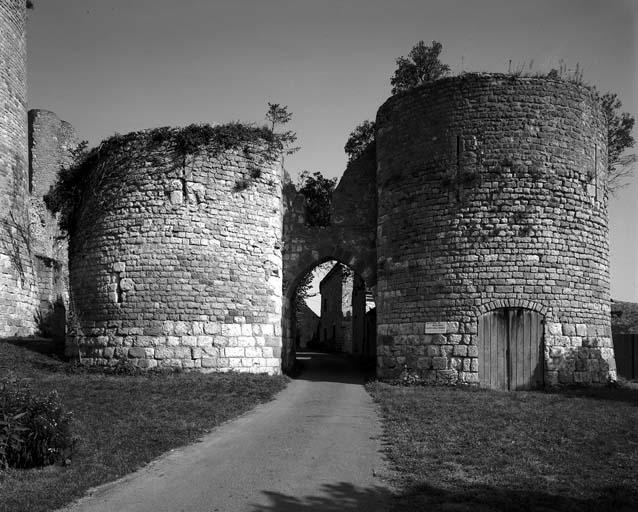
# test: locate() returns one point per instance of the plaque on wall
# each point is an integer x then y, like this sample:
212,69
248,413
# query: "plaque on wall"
435,327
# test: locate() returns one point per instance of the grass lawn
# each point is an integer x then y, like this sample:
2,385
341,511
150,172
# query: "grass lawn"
478,450
121,421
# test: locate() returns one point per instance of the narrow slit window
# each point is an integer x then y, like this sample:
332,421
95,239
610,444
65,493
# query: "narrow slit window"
596,173
119,292
459,151
184,187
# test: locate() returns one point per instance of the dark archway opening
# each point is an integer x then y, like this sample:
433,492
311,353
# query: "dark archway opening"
332,323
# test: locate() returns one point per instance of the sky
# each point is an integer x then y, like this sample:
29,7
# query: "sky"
114,66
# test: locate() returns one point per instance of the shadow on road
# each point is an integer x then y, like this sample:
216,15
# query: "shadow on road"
344,497
339,497
324,367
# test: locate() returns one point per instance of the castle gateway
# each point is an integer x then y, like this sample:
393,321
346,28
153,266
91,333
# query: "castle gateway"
478,220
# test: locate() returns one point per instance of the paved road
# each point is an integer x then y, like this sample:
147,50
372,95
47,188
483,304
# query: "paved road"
316,447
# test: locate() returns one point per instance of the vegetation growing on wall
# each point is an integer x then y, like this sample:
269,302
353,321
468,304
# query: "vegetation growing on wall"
302,292
421,66
620,166
73,186
562,72
360,139
278,115
318,193
16,243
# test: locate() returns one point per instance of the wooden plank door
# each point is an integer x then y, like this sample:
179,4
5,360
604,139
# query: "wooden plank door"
493,334
525,349
511,349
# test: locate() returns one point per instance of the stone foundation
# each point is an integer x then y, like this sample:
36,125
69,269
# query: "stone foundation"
574,353
207,345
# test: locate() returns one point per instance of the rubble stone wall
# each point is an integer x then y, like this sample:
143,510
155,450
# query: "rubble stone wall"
492,194
177,261
358,315
51,142
18,288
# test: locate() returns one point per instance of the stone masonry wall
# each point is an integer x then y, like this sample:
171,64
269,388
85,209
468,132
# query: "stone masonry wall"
492,194
18,290
52,278
358,315
177,262
350,239
51,142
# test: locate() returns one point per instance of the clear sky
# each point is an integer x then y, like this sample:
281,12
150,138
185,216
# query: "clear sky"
111,66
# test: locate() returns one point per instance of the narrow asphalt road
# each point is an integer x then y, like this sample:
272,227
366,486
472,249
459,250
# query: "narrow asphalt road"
316,447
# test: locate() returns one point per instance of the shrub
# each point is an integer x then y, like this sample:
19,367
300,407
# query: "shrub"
421,66
318,193
34,429
77,182
361,138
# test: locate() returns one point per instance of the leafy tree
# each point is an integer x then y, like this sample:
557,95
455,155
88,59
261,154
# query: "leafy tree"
278,115
303,291
360,139
318,193
422,65
619,138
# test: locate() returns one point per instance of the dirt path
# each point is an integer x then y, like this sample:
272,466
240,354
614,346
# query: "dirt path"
315,447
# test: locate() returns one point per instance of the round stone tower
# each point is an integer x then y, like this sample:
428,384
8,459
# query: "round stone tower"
175,259
493,253
17,283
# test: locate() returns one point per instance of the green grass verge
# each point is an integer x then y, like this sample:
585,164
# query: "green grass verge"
467,449
121,421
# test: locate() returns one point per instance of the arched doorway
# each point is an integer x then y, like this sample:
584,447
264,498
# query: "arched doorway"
330,309
510,343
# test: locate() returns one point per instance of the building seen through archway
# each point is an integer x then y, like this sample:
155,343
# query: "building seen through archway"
338,313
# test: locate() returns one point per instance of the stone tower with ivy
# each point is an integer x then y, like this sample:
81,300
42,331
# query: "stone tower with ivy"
17,282
33,147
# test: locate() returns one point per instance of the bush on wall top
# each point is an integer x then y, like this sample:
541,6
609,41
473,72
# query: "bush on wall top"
73,183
